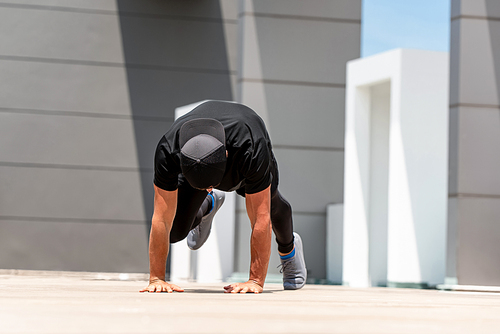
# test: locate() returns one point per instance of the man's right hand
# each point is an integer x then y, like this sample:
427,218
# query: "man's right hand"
161,286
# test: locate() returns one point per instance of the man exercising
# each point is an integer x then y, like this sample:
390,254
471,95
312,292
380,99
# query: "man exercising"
220,145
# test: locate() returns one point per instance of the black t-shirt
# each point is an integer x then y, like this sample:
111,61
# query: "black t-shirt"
250,166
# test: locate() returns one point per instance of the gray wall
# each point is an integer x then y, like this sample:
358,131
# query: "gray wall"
474,187
88,87
86,90
292,72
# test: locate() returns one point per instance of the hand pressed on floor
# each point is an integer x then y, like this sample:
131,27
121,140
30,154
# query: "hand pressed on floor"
161,286
250,286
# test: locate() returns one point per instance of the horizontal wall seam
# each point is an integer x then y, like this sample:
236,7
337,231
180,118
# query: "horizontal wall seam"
467,195
475,105
292,82
300,213
73,220
299,17
116,65
118,13
45,112
308,148
75,167
475,17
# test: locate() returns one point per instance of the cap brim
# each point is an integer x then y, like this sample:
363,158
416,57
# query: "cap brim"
199,126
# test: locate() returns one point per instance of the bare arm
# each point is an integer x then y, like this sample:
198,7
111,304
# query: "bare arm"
165,204
259,211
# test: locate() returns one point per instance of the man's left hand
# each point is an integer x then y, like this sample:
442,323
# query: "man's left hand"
250,286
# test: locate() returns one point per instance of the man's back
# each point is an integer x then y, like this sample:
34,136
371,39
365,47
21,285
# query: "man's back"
250,163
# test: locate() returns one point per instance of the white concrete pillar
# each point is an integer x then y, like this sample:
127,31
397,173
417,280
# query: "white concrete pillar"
356,187
213,262
395,181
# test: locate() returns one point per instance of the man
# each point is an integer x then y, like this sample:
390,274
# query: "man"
220,145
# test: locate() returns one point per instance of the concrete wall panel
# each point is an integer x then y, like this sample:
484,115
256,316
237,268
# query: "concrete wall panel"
70,140
280,56
474,140
479,83
451,241
95,37
478,146
453,146
71,193
38,34
42,86
95,5
343,9
306,183
198,45
213,9
455,62
104,90
490,8
287,111
79,246
478,240
312,230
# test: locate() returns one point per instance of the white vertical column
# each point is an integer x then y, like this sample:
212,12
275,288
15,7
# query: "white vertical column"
180,263
403,260
214,261
413,211
418,169
356,187
379,174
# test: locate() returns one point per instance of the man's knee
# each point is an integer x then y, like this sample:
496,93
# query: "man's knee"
176,237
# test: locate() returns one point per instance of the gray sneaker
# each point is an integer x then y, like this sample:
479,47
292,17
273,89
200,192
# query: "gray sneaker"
294,269
198,235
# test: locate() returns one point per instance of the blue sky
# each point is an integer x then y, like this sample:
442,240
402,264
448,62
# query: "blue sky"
414,24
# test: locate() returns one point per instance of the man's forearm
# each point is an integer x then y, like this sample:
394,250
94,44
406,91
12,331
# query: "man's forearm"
158,250
260,245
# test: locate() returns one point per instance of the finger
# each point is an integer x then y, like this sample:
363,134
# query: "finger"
169,290
236,289
244,290
159,288
152,288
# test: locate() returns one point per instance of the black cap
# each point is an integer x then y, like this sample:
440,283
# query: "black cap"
203,152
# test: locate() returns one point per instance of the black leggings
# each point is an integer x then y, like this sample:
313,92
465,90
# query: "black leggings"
191,204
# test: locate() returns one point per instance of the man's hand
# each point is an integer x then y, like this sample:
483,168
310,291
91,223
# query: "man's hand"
250,286
161,286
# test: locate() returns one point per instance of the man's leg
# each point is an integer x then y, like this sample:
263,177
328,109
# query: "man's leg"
293,265
281,218
192,205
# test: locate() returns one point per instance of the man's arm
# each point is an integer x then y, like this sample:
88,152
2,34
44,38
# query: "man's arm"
165,204
259,211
